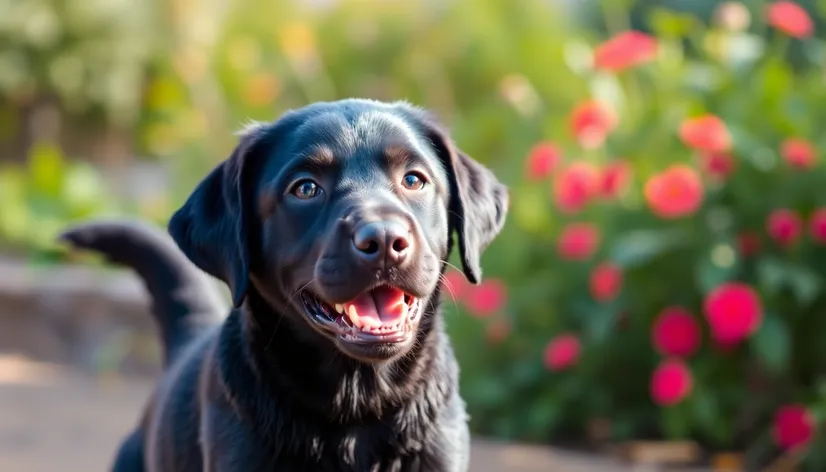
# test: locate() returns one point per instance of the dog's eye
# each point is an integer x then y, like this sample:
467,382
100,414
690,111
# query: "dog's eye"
306,189
413,181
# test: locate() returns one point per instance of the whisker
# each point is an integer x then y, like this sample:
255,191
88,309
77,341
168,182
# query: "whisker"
449,264
449,290
298,291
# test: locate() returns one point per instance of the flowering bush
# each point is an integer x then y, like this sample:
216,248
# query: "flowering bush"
665,256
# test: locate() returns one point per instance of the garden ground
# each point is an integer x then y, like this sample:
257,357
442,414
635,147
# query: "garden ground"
54,417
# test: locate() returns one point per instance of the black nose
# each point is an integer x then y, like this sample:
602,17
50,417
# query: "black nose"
382,241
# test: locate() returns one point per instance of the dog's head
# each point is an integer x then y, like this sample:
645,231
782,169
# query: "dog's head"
340,216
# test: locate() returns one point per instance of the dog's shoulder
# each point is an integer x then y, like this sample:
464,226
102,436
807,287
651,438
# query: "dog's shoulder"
174,417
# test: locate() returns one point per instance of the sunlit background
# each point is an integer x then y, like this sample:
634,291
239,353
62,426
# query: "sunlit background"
657,294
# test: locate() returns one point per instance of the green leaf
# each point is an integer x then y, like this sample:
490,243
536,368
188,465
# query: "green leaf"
706,411
530,208
771,274
673,422
639,247
527,373
709,274
46,169
488,391
600,322
805,283
670,24
775,274
772,343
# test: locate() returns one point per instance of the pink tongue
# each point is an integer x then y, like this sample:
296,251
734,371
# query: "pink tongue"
382,306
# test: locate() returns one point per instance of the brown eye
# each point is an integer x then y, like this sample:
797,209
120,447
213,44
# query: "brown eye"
306,189
413,181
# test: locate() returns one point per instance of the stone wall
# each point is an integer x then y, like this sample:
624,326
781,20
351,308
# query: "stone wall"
86,316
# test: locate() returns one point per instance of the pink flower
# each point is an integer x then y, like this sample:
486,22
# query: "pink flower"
799,153
790,18
562,352
817,225
605,282
675,192
578,241
734,312
592,122
794,426
614,179
575,186
455,284
627,49
542,160
671,382
748,242
706,133
784,226
676,332
718,165
486,298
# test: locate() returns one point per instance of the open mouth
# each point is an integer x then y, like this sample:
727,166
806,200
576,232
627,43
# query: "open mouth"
382,315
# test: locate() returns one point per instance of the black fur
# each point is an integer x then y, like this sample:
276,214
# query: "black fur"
266,389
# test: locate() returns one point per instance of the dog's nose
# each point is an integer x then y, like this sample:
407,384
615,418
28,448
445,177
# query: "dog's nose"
379,241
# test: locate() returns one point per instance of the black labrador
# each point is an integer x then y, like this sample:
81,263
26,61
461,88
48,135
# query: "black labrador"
331,227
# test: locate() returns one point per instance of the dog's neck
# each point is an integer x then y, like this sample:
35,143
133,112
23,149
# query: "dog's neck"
317,377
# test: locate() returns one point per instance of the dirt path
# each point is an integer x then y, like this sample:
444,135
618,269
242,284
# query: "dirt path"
53,418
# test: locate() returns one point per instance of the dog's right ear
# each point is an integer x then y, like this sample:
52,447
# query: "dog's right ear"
212,226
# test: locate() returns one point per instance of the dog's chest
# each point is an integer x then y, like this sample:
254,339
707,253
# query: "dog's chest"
391,446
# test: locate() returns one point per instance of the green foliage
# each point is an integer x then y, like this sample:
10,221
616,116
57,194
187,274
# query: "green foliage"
47,194
89,54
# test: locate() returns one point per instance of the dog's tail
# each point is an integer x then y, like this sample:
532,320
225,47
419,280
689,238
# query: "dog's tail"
184,300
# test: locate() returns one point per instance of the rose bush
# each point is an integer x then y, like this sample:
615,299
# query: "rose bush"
664,259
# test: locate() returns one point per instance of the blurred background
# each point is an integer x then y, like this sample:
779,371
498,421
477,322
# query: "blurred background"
657,295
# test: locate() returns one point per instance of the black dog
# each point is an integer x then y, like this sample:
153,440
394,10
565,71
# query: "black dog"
331,226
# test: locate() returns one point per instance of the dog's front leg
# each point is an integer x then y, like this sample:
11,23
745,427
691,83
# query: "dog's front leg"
229,445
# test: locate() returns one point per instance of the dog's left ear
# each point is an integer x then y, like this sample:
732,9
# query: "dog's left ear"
213,227
478,201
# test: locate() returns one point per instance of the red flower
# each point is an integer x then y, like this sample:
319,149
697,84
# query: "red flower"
578,241
455,284
486,298
671,382
614,178
706,133
817,225
625,50
497,331
784,226
718,165
790,18
794,426
675,192
749,243
575,185
676,332
592,122
799,153
605,282
733,311
562,352
542,160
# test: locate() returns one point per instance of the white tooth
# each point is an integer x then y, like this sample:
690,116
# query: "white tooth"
405,310
339,308
353,314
